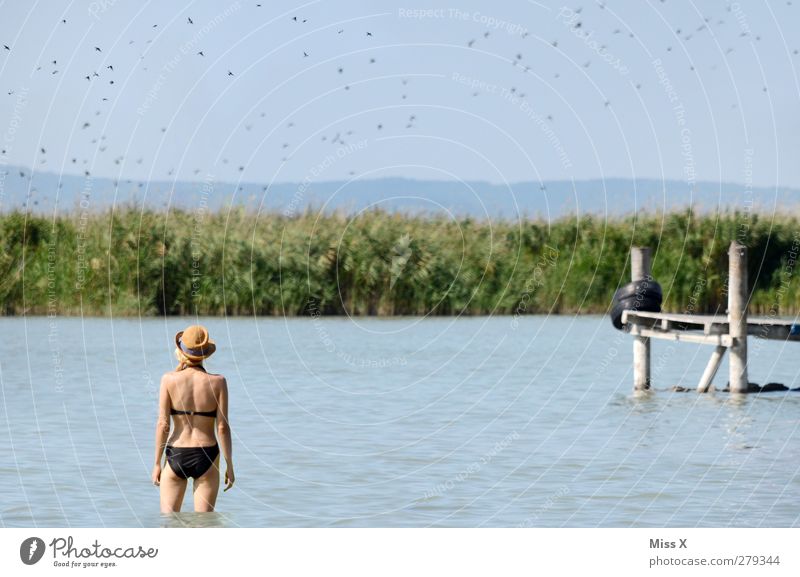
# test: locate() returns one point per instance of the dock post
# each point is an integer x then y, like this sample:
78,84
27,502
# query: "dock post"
737,316
711,370
640,270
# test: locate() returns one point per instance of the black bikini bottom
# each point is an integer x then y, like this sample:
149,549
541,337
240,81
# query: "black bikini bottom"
191,461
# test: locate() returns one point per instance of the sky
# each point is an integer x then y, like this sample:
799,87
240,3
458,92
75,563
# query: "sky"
341,89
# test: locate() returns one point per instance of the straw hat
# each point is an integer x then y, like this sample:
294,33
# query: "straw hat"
194,343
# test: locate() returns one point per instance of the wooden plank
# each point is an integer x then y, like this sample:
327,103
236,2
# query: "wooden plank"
772,332
773,329
632,317
682,336
710,325
713,319
771,322
763,328
683,318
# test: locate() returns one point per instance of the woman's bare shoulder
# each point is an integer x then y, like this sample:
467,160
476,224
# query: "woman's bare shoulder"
218,380
217,377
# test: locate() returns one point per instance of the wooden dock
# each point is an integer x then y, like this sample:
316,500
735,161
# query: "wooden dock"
727,333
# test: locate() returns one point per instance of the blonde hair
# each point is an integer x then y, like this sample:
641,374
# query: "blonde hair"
184,361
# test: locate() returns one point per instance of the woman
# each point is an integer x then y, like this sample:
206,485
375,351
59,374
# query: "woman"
196,400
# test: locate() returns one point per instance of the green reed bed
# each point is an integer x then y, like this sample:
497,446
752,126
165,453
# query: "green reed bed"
151,263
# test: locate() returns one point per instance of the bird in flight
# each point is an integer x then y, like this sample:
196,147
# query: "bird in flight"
190,21
230,73
201,53
97,49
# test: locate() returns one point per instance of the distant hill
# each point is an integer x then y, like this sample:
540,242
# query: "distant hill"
613,197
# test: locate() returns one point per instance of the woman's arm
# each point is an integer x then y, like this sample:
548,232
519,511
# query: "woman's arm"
224,432
162,429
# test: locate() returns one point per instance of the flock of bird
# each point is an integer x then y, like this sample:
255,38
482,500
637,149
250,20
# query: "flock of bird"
336,139
106,75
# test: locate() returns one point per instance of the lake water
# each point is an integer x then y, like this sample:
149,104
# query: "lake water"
486,421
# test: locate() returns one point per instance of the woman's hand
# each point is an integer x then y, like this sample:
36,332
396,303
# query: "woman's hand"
229,478
156,476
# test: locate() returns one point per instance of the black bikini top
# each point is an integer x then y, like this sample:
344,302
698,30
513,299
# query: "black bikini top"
198,413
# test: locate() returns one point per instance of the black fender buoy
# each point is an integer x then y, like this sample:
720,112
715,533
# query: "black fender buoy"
641,295
645,288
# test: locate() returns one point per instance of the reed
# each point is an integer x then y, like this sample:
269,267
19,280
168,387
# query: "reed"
129,262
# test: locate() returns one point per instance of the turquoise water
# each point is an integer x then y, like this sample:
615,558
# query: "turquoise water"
486,421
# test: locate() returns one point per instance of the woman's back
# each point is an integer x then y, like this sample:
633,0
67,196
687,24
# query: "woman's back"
193,390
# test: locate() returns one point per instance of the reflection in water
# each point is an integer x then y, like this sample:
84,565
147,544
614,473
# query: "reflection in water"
200,520
644,402
739,422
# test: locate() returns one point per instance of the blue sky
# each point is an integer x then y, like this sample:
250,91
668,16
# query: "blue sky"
506,91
